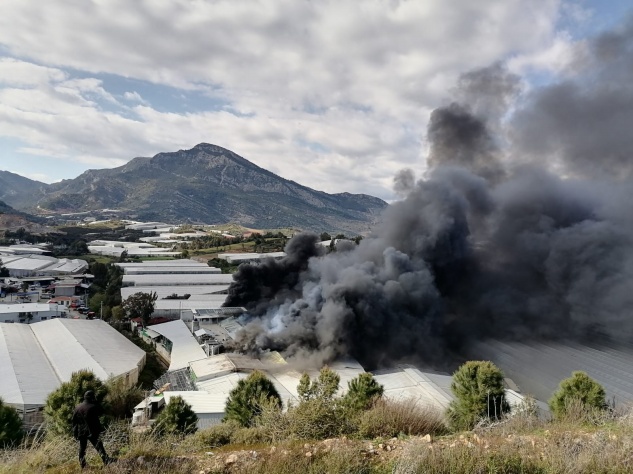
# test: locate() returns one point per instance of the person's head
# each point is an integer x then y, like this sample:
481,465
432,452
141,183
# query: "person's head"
89,396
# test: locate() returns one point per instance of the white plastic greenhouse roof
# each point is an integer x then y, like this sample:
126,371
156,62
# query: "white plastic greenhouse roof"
173,270
178,279
200,401
36,358
538,367
161,263
185,348
197,291
407,383
27,376
192,303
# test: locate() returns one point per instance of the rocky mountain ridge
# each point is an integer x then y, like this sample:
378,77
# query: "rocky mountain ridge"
207,184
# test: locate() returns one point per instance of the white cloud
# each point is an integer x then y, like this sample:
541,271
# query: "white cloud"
336,93
16,73
134,97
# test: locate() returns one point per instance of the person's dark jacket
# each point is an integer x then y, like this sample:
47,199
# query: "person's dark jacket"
86,419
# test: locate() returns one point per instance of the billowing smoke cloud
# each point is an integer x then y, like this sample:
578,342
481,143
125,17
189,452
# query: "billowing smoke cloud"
531,238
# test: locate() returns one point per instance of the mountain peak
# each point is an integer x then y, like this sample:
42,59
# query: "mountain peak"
210,184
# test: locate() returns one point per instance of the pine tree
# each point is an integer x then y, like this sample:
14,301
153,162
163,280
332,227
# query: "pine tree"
245,400
362,391
176,418
324,387
61,403
580,388
479,393
10,426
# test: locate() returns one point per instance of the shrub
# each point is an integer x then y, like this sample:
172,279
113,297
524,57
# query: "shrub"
579,389
250,436
324,387
176,418
245,400
10,425
362,392
61,403
389,418
122,399
478,388
217,435
318,418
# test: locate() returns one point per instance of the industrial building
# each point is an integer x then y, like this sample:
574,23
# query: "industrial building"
23,265
175,343
36,358
31,312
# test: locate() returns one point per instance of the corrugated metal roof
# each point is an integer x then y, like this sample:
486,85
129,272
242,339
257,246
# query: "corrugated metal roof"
185,348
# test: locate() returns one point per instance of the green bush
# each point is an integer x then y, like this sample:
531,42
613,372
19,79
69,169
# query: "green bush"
61,403
318,418
217,435
250,436
122,399
362,392
578,391
480,394
176,418
10,426
245,400
324,387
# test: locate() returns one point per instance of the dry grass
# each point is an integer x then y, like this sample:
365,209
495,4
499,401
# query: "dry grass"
522,444
388,418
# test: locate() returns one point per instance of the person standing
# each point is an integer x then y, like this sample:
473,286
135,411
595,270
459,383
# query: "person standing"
87,427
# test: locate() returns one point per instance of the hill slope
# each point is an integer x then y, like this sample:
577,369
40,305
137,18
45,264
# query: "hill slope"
20,192
213,185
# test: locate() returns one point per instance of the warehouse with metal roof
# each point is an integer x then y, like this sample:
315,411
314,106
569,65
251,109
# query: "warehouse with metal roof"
31,265
36,358
178,346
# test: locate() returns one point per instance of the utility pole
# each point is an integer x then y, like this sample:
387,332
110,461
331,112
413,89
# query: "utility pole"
101,311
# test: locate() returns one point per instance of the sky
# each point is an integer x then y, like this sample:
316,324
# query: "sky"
335,95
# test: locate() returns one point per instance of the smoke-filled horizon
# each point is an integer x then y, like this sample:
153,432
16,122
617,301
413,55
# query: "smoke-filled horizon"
521,228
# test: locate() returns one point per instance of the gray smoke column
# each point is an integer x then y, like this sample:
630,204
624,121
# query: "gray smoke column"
526,237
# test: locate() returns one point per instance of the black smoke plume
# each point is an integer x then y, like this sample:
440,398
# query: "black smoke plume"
525,235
